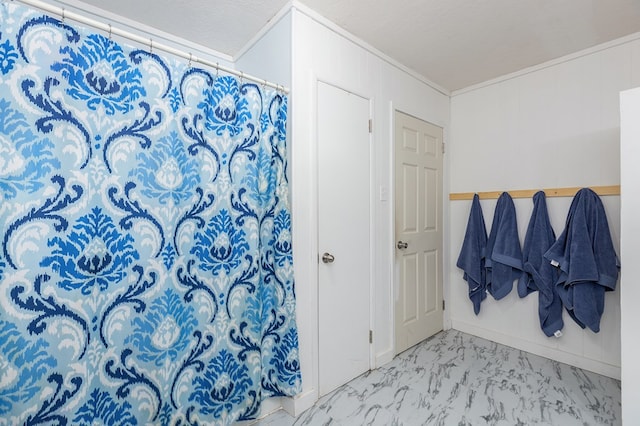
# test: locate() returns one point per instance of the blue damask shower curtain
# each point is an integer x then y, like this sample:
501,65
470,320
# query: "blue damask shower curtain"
146,272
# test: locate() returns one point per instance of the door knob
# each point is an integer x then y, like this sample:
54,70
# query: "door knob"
402,245
328,258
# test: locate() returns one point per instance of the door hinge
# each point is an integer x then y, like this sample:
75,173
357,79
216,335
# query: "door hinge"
370,126
443,149
443,304
370,336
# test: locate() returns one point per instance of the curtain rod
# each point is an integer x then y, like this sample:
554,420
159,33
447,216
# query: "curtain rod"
109,29
528,193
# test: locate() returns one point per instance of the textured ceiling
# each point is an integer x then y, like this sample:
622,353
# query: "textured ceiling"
455,43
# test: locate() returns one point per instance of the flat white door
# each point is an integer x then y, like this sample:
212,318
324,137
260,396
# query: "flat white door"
418,189
343,233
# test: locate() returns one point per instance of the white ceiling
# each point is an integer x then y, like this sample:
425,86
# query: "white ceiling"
454,43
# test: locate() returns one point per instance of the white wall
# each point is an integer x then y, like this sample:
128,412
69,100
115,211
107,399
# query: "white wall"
556,126
269,56
321,53
630,252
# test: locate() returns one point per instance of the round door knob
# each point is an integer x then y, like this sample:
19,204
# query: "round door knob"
402,245
328,258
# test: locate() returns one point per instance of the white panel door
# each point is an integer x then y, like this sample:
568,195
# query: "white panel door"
343,236
418,188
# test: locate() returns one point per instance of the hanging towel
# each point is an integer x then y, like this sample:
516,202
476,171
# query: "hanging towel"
504,255
587,260
471,259
539,275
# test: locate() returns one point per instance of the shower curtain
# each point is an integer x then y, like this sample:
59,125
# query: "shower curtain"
146,272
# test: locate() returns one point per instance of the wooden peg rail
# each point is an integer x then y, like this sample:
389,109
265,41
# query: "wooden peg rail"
528,193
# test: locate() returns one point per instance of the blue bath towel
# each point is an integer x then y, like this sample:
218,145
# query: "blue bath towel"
504,255
587,260
539,275
471,259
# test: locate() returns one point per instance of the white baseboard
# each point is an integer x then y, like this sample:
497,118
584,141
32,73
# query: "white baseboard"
543,351
300,403
269,406
383,358
293,405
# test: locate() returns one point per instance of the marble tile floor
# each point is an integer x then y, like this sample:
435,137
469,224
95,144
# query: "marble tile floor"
457,379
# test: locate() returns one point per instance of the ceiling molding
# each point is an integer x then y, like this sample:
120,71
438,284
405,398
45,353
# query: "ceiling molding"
567,58
306,10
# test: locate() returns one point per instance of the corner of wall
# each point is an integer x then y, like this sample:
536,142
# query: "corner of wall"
298,404
268,53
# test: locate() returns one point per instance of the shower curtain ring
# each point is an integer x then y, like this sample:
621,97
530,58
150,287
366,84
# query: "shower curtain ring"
241,78
63,17
110,31
150,45
217,70
190,59
264,85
